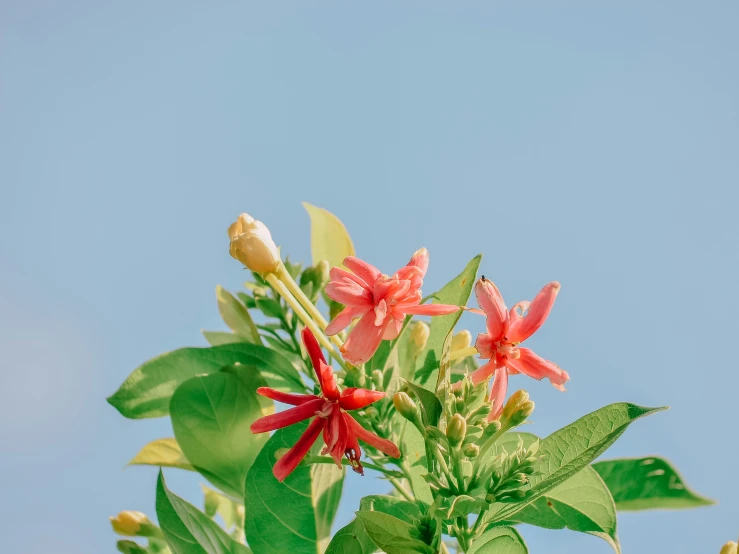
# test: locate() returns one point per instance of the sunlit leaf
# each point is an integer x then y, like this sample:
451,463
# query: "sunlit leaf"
236,316
163,453
329,239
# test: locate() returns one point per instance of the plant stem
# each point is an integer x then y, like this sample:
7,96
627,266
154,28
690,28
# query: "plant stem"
327,460
487,446
440,460
304,317
479,519
284,275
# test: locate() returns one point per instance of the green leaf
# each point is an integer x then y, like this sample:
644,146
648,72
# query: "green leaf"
269,306
329,239
222,505
236,316
188,530
211,416
162,453
567,451
413,448
146,392
430,406
130,547
582,503
649,483
457,292
353,539
293,516
392,535
217,338
499,540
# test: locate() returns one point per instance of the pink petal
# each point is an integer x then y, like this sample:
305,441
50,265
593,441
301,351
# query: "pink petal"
490,300
286,397
534,366
324,372
343,276
538,311
292,457
380,313
392,329
288,417
363,340
420,259
429,309
349,294
483,372
344,319
517,312
486,346
383,445
498,392
354,399
367,272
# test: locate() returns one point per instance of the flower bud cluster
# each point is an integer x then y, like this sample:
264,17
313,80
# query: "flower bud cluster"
512,472
517,409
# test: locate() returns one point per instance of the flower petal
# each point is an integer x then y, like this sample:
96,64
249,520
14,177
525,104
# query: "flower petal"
287,417
363,340
354,399
498,392
483,372
323,371
349,294
538,312
292,457
428,309
490,300
383,445
537,367
344,319
367,272
335,433
392,329
286,397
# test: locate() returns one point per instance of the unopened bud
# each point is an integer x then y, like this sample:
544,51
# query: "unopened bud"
371,411
471,450
523,412
463,339
729,548
405,406
129,523
490,498
456,430
252,245
322,271
515,400
419,336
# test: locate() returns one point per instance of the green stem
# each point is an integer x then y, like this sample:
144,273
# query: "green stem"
458,470
478,521
327,460
487,445
440,460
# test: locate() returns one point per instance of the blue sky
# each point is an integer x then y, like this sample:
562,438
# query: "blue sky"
589,142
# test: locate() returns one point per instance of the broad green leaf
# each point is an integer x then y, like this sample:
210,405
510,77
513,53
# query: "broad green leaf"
647,484
236,316
146,392
292,516
329,239
353,539
162,453
392,535
217,338
220,504
567,451
457,291
188,530
413,448
430,406
499,540
582,503
328,484
211,416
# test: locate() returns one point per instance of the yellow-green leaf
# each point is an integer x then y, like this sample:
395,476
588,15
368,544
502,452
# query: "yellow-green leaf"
163,453
329,239
236,316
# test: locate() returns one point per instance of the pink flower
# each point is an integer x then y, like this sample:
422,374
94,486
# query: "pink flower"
381,303
340,430
506,330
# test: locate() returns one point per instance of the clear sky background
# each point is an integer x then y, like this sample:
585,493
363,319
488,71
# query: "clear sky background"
595,143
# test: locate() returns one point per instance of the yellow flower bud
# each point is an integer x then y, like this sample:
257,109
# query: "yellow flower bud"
514,402
405,406
128,523
456,430
461,340
419,336
252,245
729,548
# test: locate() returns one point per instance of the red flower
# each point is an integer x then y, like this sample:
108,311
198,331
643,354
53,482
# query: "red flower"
340,430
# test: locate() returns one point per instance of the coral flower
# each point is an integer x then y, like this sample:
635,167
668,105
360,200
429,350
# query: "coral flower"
381,303
340,430
505,331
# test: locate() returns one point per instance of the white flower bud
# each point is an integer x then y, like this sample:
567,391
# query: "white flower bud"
252,245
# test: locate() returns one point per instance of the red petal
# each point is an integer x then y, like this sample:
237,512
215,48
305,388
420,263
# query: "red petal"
288,417
537,367
286,397
324,372
429,309
292,457
383,445
483,372
354,399
489,299
523,327
497,394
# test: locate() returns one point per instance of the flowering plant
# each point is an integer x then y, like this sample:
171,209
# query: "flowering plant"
405,399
